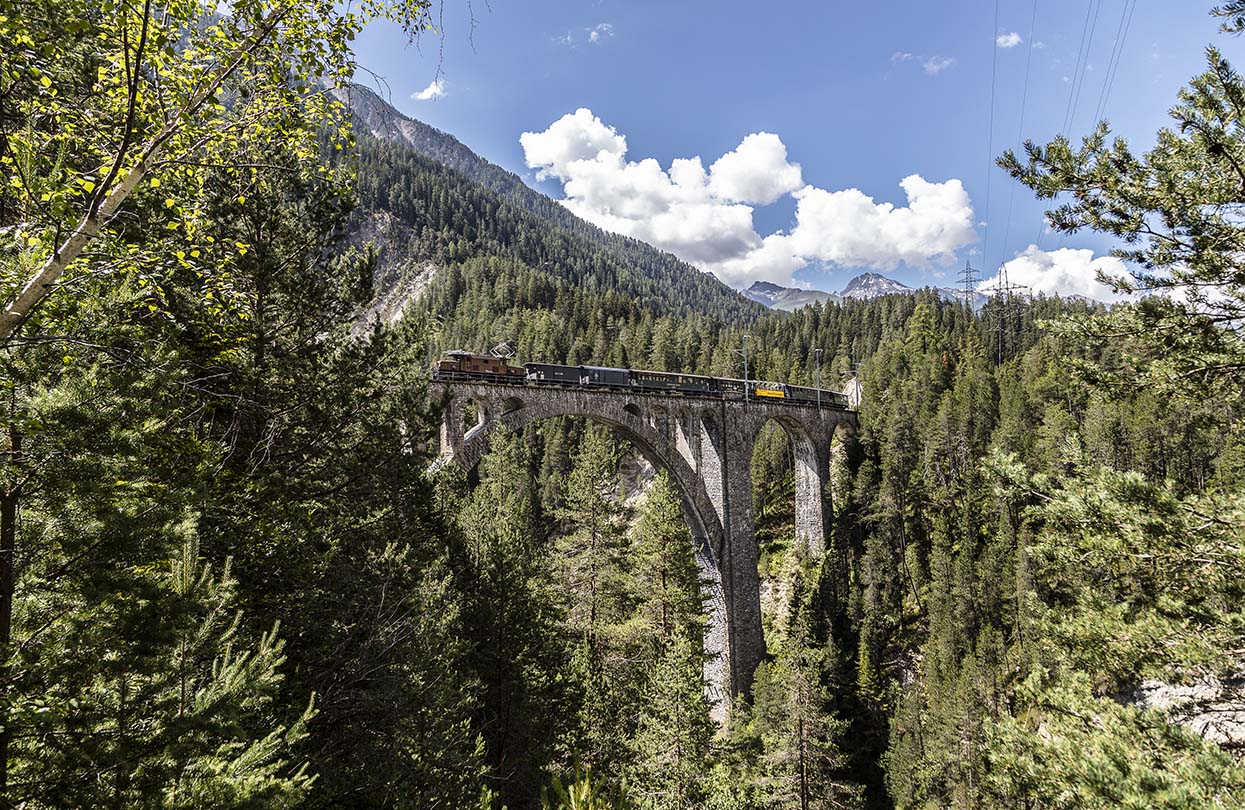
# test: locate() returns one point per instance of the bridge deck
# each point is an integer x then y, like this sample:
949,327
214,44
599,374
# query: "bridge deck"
635,390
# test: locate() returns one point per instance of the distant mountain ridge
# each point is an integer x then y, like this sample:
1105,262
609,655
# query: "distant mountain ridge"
659,279
775,296
862,287
871,285
385,122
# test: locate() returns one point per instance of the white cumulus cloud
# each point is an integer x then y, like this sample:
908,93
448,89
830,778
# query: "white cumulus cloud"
756,171
1067,271
772,259
1008,40
599,32
577,136
937,64
433,91
849,228
705,216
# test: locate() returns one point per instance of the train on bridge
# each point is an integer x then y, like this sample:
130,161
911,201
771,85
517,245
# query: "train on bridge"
465,366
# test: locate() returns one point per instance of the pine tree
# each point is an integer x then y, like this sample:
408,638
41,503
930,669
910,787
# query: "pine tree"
1087,623
206,700
1173,210
1130,579
671,742
799,734
183,717
666,579
589,557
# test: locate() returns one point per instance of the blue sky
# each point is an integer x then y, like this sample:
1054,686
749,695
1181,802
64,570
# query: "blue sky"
860,96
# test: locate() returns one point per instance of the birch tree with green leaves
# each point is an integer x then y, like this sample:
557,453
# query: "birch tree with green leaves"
103,104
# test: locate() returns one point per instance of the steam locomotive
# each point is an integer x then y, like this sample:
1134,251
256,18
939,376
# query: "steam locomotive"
461,366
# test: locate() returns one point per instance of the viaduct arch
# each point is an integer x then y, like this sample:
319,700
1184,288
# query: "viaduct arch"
706,447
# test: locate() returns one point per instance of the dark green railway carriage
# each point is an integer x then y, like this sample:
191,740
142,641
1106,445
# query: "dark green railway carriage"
668,381
552,373
607,377
828,399
801,394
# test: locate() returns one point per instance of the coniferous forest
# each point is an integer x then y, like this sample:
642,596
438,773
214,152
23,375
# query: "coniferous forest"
227,579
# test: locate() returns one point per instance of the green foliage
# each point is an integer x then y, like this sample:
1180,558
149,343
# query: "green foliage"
801,761
671,742
590,571
239,773
580,792
1031,524
167,400
134,680
1234,11
113,107
1133,582
525,704
1174,209
666,579
1065,746
190,723
1109,561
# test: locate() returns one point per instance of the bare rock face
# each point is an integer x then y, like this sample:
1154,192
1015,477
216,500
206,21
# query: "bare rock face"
635,479
1212,707
397,280
387,308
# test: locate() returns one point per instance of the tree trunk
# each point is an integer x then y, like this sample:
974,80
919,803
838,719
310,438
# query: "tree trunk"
8,537
803,766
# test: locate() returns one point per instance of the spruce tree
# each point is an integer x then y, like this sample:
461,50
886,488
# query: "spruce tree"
517,652
666,580
590,555
589,572
800,735
671,742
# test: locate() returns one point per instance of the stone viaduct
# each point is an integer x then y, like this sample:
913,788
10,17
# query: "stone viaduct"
706,446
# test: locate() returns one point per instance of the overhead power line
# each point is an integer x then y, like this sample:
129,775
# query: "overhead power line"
1113,63
1078,78
994,71
1024,101
1078,73
1089,47
1117,55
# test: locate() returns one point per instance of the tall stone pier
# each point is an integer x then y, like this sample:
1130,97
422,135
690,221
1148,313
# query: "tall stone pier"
706,447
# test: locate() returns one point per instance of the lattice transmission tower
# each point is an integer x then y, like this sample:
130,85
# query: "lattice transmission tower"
1007,306
969,279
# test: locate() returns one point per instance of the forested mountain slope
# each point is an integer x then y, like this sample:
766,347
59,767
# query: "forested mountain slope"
425,197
